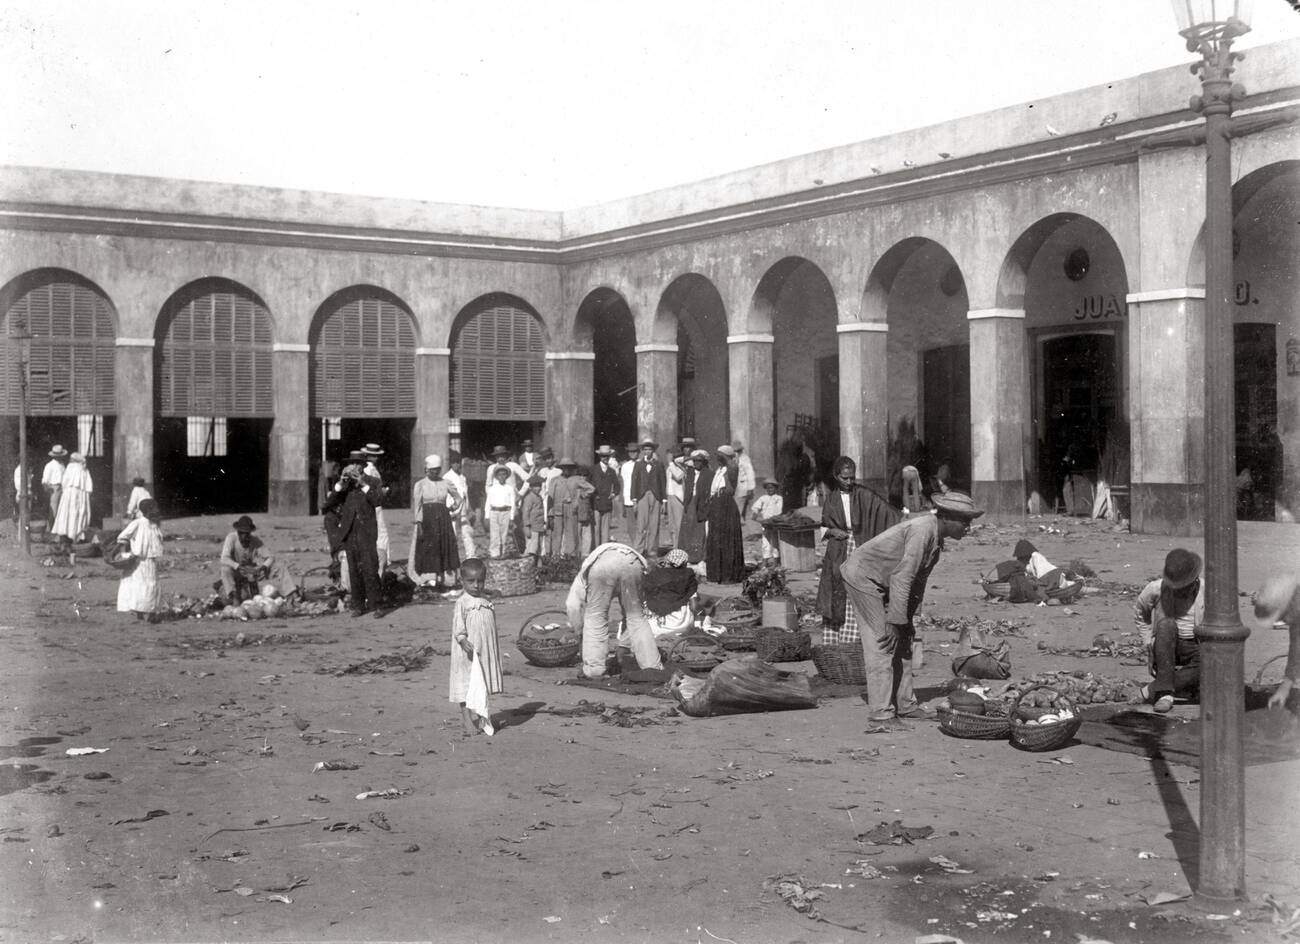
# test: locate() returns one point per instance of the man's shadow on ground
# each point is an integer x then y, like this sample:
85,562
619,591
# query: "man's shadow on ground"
520,715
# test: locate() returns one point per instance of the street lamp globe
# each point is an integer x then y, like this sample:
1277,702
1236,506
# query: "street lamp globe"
1203,22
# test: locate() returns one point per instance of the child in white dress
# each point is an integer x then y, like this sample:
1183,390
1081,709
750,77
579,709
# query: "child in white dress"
138,591
473,630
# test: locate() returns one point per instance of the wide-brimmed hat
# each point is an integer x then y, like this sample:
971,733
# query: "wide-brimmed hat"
500,451
725,450
1278,596
771,481
242,523
567,463
604,451
356,455
546,452
633,445
700,454
501,468
1181,568
649,442
688,441
373,449
433,461
77,457
58,452
956,505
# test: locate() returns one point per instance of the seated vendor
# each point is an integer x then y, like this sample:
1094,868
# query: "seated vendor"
670,593
1166,615
246,567
1047,574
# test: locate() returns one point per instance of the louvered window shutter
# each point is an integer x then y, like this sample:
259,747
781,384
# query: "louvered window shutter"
71,363
216,359
363,361
498,367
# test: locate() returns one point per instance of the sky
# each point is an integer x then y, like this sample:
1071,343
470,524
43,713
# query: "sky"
546,105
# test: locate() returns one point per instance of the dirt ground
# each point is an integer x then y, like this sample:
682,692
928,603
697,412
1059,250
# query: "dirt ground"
619,821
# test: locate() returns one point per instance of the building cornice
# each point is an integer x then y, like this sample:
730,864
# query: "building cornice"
1116,144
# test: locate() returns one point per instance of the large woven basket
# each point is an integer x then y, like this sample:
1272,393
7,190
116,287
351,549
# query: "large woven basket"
1001,589
511,576
735,613
993,725
119,557
843,665
774,644
1042,737
540,651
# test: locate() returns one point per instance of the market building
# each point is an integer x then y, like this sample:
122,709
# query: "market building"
1017,295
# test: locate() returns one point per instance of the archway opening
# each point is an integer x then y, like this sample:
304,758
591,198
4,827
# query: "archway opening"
70,390
361,384
498,375
692,316
214,400
604,326
803,314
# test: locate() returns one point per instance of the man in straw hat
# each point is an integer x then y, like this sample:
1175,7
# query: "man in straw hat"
52,481
373,453
607,484
1166,615
1277,606
885,580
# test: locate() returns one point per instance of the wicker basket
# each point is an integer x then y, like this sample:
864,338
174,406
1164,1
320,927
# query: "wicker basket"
548,657
738,638
843,665
694,651
1001,589
774,644
993,725
1042,737
119,557
511,576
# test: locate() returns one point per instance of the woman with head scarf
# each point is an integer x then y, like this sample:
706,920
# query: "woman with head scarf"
435,552
142,538
853,514
724,550
73,517
670,591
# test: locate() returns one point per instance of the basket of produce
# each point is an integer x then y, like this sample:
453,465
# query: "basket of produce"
970,715
510,576
119,557
698,651
1081,688
843,665
1000,589
774,644
1042,719
548,640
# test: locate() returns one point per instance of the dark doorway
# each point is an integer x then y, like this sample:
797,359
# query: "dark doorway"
1259,450
945,429
191,477
614,382
44,432
392,433
1081,396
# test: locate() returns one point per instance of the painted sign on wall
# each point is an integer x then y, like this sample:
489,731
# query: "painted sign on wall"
1099,308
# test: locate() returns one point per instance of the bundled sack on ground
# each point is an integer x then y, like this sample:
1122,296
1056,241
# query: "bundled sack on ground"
976,659
740,686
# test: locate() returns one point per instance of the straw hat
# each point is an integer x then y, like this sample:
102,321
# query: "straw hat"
725,450
373,449
956,505
58,452
604,451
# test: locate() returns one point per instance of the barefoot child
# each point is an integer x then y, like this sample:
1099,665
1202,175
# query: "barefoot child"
473,629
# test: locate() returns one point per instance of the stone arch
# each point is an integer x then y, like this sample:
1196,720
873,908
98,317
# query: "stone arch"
692,316
918,291
70,396
605,327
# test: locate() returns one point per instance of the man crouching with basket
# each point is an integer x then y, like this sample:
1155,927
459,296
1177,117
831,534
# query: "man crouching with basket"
610,571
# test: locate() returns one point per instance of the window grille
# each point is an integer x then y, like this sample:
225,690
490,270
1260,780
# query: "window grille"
205,436
90,435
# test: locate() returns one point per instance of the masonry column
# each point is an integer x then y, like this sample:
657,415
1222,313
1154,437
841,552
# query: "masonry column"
1167,407
864,401
569,418
432,400
999,405
290,492
752,395
133,427
656,393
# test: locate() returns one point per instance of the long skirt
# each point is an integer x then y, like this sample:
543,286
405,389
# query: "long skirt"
138,590
724,550
73,516
846,632
437,551
690,536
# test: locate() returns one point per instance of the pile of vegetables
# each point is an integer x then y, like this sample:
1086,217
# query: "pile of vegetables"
1079,688
259,607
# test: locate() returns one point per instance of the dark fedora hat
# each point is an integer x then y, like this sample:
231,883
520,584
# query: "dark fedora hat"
500,451
1181,568
244,523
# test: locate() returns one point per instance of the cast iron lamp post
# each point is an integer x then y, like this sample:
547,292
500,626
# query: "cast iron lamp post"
1210,26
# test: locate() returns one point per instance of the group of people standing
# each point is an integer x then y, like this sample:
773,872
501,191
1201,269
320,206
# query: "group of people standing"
67,486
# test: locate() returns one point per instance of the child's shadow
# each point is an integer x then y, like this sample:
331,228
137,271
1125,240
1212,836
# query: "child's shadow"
514,717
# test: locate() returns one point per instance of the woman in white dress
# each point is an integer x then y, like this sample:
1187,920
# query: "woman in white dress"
138,591
73,517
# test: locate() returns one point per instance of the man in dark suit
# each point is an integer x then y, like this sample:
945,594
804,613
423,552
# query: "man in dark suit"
354,499
649,487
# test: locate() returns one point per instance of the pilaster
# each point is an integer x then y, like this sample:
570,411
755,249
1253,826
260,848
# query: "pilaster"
569,418
290,490
864,403
432,397
656,394
133,427
752,396
999,407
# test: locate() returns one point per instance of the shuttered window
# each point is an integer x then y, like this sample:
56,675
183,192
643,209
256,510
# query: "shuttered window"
363,362
498,367
70,369
216,359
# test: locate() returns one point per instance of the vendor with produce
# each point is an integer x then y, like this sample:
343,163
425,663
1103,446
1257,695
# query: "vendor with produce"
1166,615
885,580
610,571
246,567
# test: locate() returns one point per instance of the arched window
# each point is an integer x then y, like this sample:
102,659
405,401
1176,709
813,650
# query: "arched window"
216,358
498,366
71,360
363,361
